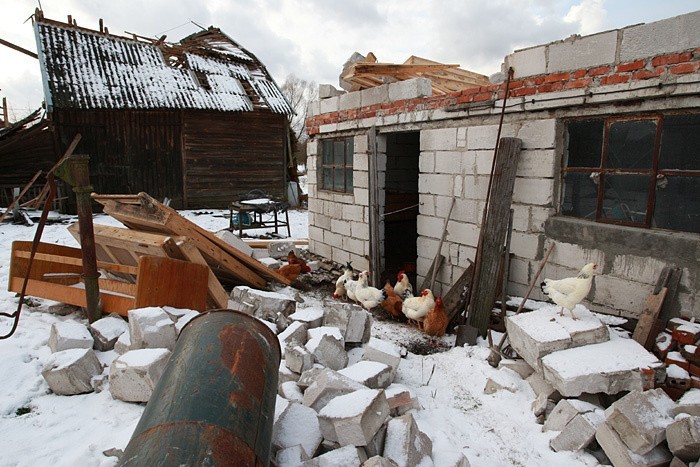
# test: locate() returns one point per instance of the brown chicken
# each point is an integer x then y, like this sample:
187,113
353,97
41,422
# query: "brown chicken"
295,267
393,304
435,322
294,259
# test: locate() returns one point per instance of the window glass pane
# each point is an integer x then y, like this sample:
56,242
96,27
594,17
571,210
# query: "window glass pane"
631,144
348,179
328,178
339,179
328,152
677,203
680,143
625,197
584,143
339,152
580,194
349,150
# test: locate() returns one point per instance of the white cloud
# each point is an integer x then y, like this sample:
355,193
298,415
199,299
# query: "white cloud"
589,14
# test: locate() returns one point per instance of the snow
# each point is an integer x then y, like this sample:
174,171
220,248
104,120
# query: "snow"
349,405
676,372
362,371
64,358
140,357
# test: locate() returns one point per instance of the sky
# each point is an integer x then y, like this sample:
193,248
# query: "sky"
313,38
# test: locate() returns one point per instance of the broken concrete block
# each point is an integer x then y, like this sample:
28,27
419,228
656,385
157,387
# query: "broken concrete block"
281,249
311,317
298,359
539,405
689,403
501,380
69,335
327,385
451,459
347,455
291,391
134,375
291,456
676,462
621,456
262,304
70,372
295,334
400,399
189,316
521,367
235,241
151,328
328,351
375,447
683,437
351,319
579,432
379,461
123,344
285,374
381,351
270,263
286,430
610,367
331,331
541,386
308,377
565,410
107,330
405,444
374,375
640,419
354,418
538,333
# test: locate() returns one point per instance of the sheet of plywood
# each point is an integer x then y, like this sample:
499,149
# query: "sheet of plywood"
165,281
643,332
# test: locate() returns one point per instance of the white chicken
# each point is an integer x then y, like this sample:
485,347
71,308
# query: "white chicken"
367,295
403,287
340,291
569,292
416,308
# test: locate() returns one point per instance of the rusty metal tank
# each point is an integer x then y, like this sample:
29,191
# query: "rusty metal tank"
215,403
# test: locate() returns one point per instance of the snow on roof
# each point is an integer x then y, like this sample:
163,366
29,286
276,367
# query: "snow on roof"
84,69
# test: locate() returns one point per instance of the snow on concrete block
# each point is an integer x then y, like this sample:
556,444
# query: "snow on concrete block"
621,456
501,380
347,455
298,359
291,456
235,241
538,333
69,335
296,424
564,411
262,304
270,263
374,375
354,418
190,315
285,374
328,351
123,344
683,437
521,367
70,371
295,334
401,400
308,377
311,317
689,403
105,331
377,350
327,385
134,375
349,318
541,386
609,367
578,433
151,328
281,249
379,461
405,444
375,447
641,418
291,391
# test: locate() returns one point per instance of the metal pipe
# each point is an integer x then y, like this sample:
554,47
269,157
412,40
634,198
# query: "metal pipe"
215,403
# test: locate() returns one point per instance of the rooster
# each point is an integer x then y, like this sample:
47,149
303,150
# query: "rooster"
367,295
403,287
417,308
435,322
569,292
393,303
340,291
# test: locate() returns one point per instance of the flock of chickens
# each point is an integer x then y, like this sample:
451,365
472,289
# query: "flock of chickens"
426,311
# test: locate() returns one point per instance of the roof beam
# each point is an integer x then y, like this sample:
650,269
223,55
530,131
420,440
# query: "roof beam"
18,48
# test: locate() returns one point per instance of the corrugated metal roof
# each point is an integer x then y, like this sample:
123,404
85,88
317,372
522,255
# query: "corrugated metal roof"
84,69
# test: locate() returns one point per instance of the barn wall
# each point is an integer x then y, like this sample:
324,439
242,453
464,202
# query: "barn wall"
228,154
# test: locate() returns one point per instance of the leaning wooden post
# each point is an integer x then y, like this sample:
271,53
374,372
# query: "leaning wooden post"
75,171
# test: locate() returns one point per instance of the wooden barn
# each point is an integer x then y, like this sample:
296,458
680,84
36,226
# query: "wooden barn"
200,122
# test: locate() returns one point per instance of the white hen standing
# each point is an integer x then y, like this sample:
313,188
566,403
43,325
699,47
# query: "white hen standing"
417,308
403,287
367,295
569,292
340,291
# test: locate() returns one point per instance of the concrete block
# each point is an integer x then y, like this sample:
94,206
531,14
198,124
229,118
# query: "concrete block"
537,191
286,432
107,330
379,461
70,371
527,62
308,377
281,249
579,52
347,455
295,334
234,240
329,105
439,139
449,162
327,385
375,95
609,367
521,367
377,350
291,391
354,418
191,314
620,455
410,89
405,444
621,294
311,317
285,374
688,404
292,456
134,375
349,318
374,375
578,433
328,351
566,410
350,100
69,335
540,386
298,359
538,134
525,245
660,37
641,418
262,304
375,447
328,90
538,333
123,344
151,328
683,437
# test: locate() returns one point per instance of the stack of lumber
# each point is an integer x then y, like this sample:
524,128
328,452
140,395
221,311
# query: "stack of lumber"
446,78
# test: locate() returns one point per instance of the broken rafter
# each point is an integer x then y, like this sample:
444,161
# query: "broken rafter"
362,68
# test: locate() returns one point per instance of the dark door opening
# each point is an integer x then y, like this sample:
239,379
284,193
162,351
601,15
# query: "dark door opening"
401,205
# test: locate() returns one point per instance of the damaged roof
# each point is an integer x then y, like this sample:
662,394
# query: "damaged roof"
86,69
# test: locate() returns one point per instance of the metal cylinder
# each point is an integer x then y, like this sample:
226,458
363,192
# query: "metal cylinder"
215,403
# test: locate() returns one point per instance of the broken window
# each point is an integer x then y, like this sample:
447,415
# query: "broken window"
336,165
640,171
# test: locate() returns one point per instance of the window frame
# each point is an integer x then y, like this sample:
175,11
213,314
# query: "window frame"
348,144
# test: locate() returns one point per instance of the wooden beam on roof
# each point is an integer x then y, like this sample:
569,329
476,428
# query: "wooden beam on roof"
362,68
18,48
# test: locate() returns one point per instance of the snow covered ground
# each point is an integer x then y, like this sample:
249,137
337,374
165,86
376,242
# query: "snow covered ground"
39,428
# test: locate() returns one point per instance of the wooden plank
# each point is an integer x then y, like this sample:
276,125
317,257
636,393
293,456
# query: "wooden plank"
373,198
217,296
266,243
647,319
437,262
455,298
21,193
77,262
165,281
121,287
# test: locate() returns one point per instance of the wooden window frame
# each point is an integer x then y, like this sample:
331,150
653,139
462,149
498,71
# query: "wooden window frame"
346,166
